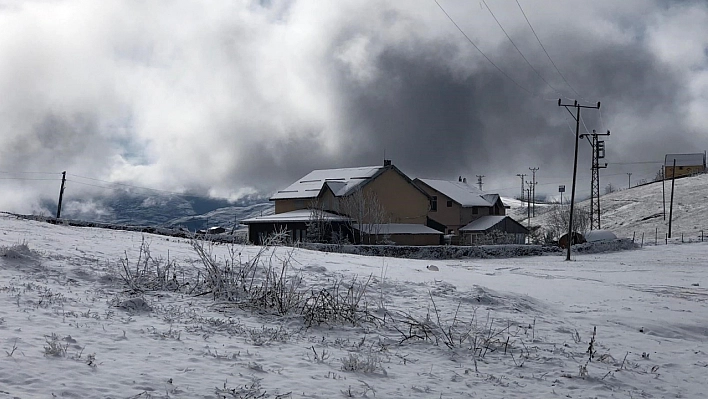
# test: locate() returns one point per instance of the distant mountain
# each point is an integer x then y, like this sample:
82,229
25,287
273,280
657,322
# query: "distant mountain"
163,210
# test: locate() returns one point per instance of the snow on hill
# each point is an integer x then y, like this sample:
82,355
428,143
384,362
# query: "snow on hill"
640,210
624,324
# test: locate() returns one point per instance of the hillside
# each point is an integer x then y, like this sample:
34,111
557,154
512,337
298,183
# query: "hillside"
639,210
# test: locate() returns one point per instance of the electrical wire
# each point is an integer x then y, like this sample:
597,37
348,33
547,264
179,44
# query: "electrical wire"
30,173
544,50
482,52
519,51
27,178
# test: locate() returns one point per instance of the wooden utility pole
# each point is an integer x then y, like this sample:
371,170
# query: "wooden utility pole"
61,193
629,183
575,163
533,189
671,206
521,175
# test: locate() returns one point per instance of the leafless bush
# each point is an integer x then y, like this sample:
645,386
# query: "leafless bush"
150,274
338,305
473,334
266,283
558,219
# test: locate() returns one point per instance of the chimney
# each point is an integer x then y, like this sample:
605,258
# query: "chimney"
459,179
387,162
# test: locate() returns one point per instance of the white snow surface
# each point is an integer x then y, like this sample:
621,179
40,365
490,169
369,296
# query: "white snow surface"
68,328
461,192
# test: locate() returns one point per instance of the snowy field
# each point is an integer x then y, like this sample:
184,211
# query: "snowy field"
505,328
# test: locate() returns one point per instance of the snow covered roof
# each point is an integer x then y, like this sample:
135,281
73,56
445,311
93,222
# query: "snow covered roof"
340,181
685,159
396,228
300,215
460,192
483,223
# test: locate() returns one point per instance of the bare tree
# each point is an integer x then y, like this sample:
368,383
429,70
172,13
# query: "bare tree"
558,218
610,188
367,212
319,228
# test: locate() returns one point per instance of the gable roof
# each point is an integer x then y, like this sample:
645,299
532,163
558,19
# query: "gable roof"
461,192
685,159
340,181
487,222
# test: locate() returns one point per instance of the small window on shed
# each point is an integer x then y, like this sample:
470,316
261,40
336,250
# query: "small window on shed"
475,210
449,203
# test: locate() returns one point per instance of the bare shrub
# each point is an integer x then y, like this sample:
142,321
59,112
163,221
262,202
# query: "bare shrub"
558,219
266,283
148,273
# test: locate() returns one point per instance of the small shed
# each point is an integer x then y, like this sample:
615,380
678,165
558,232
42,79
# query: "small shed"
495,229
686,165
397,233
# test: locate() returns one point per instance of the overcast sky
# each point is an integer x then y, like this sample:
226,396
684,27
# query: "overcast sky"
226,98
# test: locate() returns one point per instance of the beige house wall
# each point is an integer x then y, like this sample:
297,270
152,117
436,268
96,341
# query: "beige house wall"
287,205
451,217
683,171
400,199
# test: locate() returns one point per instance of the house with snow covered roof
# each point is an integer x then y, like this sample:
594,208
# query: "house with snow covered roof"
375,200
686,164
456,205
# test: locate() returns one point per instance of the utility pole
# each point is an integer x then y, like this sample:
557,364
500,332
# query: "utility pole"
598,152
61,193
533,193
575,163
528,208
671,207
629,183
479,181
521,175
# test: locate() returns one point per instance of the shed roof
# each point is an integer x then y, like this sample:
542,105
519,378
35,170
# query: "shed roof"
340,181
487,222
685,159
460,192
396,228
300,215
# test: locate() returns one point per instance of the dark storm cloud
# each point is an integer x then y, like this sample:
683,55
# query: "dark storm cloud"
245,97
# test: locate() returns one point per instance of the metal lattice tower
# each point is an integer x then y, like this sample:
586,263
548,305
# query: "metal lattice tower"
598,152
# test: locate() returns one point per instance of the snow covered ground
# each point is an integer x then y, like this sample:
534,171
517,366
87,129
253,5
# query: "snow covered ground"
504,328
640,211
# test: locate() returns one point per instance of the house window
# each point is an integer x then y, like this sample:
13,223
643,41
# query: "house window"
449,203
475,211
434,203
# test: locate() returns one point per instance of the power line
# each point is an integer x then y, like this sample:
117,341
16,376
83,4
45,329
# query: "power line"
544,50
29,173
27,178
518,50
482,52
